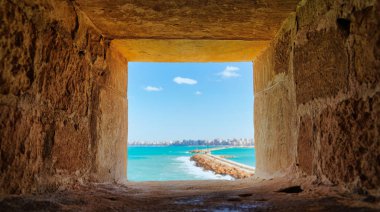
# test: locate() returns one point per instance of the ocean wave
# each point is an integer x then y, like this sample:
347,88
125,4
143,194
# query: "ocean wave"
189,167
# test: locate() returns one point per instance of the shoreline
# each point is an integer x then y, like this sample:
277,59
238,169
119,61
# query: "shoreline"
177,155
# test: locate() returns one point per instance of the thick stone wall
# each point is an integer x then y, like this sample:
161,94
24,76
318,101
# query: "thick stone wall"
55,87
112,119
275,106
337,73
332,61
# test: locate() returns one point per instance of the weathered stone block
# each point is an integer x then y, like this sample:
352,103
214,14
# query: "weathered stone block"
70,150
274,130
305,146
183,19
320,66
275,107
112,129
46,84
366,44
350,141
282,52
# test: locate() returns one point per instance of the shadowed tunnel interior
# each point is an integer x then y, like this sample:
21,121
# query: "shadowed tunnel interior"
63,86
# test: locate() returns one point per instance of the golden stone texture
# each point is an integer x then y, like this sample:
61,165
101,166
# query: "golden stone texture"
149,50
188,19
188,30
316,103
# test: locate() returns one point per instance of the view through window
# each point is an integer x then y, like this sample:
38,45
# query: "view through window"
190,121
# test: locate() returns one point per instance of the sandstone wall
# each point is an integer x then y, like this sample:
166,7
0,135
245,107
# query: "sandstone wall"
330,64
275,106
55,86
112,119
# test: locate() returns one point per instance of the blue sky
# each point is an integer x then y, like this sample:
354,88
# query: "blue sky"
175,101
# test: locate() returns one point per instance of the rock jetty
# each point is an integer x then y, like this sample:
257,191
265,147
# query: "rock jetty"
219,166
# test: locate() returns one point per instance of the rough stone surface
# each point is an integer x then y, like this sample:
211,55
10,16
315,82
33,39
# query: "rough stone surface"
305,145
274,129
188,30
183,50
334,70
343,100
350,142
275,59
320,66
51,60
189,19
112,120
275,107
242,195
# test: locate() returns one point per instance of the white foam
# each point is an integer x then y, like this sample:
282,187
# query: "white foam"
189,166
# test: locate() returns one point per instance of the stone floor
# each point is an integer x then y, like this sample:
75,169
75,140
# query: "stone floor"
242,195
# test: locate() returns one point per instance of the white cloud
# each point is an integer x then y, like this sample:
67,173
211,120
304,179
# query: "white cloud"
198,93
152,88
229,72
187,81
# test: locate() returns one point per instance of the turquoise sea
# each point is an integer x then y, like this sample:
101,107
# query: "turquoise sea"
154,163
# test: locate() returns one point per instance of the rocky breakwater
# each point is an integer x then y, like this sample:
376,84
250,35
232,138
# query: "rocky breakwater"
221,166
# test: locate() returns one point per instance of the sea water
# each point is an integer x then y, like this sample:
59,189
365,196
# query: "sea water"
244,156
166,163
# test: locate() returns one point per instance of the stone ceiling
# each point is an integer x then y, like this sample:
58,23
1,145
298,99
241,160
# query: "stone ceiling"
256,21
184,50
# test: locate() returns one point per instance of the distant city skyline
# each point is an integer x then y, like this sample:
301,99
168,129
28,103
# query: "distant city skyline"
222,139
176,101
195,142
